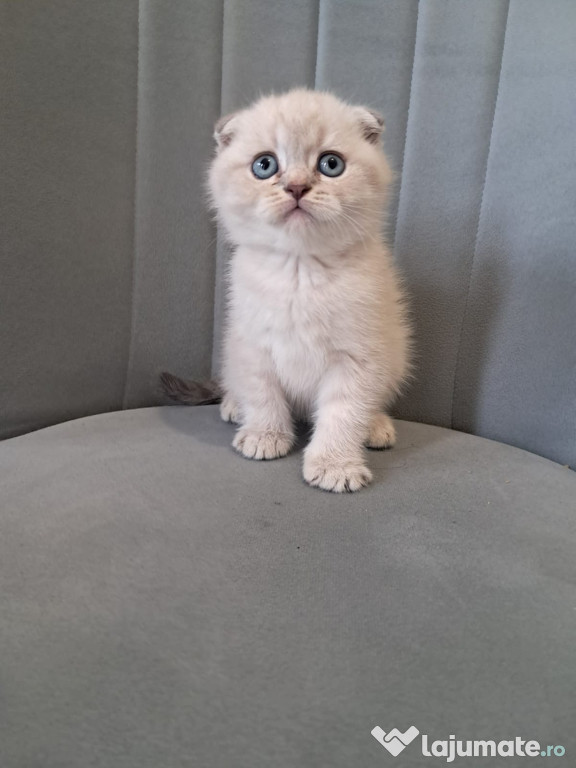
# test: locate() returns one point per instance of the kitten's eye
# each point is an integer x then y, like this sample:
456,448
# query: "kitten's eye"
265,166
330,164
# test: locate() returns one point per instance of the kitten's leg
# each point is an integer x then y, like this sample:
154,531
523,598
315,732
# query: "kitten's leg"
382,432
266,430
229,410
334,460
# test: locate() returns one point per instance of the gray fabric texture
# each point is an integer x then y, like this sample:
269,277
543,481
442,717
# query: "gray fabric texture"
454,85
174,268
111,268
516,375
67,126
166,602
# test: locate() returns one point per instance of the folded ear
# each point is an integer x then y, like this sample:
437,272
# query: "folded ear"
224,130
371,123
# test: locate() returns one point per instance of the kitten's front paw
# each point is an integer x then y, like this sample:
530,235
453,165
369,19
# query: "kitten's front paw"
339,477
262,445
229,410
382,432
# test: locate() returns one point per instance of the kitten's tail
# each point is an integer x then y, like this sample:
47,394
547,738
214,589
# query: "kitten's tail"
191,392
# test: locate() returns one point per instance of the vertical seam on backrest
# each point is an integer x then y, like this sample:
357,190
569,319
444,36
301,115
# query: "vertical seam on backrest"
317,43
134,224
218,302
407,124
480,208
222,53
217,235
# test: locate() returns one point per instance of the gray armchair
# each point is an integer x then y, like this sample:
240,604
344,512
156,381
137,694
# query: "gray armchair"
164,602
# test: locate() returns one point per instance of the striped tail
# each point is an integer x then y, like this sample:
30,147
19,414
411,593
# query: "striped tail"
190,392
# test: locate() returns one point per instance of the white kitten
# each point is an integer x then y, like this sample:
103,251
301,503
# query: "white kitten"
316,324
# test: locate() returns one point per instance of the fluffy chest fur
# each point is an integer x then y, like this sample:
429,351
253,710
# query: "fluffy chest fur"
284,297
308,313
286,305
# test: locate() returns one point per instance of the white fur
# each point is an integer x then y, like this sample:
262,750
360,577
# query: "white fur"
316,322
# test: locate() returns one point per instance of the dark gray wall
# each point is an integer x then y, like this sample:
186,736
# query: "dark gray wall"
111,267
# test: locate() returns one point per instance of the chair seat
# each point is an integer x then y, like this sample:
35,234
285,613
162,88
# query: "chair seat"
167,603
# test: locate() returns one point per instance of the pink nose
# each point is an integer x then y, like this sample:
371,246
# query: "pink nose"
297,190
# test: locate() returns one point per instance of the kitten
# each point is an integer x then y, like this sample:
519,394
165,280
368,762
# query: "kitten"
317,326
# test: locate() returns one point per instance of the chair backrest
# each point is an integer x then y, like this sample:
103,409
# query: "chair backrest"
111,267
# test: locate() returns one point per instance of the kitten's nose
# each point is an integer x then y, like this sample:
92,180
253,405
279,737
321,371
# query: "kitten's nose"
297,190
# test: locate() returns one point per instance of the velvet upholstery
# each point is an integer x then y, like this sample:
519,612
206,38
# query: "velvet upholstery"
166,602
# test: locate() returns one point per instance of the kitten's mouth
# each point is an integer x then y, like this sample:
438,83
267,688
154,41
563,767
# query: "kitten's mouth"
297,212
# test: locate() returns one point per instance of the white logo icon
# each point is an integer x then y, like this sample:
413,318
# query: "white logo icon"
395,741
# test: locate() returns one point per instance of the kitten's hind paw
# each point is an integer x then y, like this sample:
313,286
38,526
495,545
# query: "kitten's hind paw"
382,433
343,477
262,445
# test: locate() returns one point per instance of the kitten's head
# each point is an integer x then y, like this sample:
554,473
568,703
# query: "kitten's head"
302,169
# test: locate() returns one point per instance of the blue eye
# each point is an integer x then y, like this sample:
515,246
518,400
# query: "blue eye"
330,164
264,166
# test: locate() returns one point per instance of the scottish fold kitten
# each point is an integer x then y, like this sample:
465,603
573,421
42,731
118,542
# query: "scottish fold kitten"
317,325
